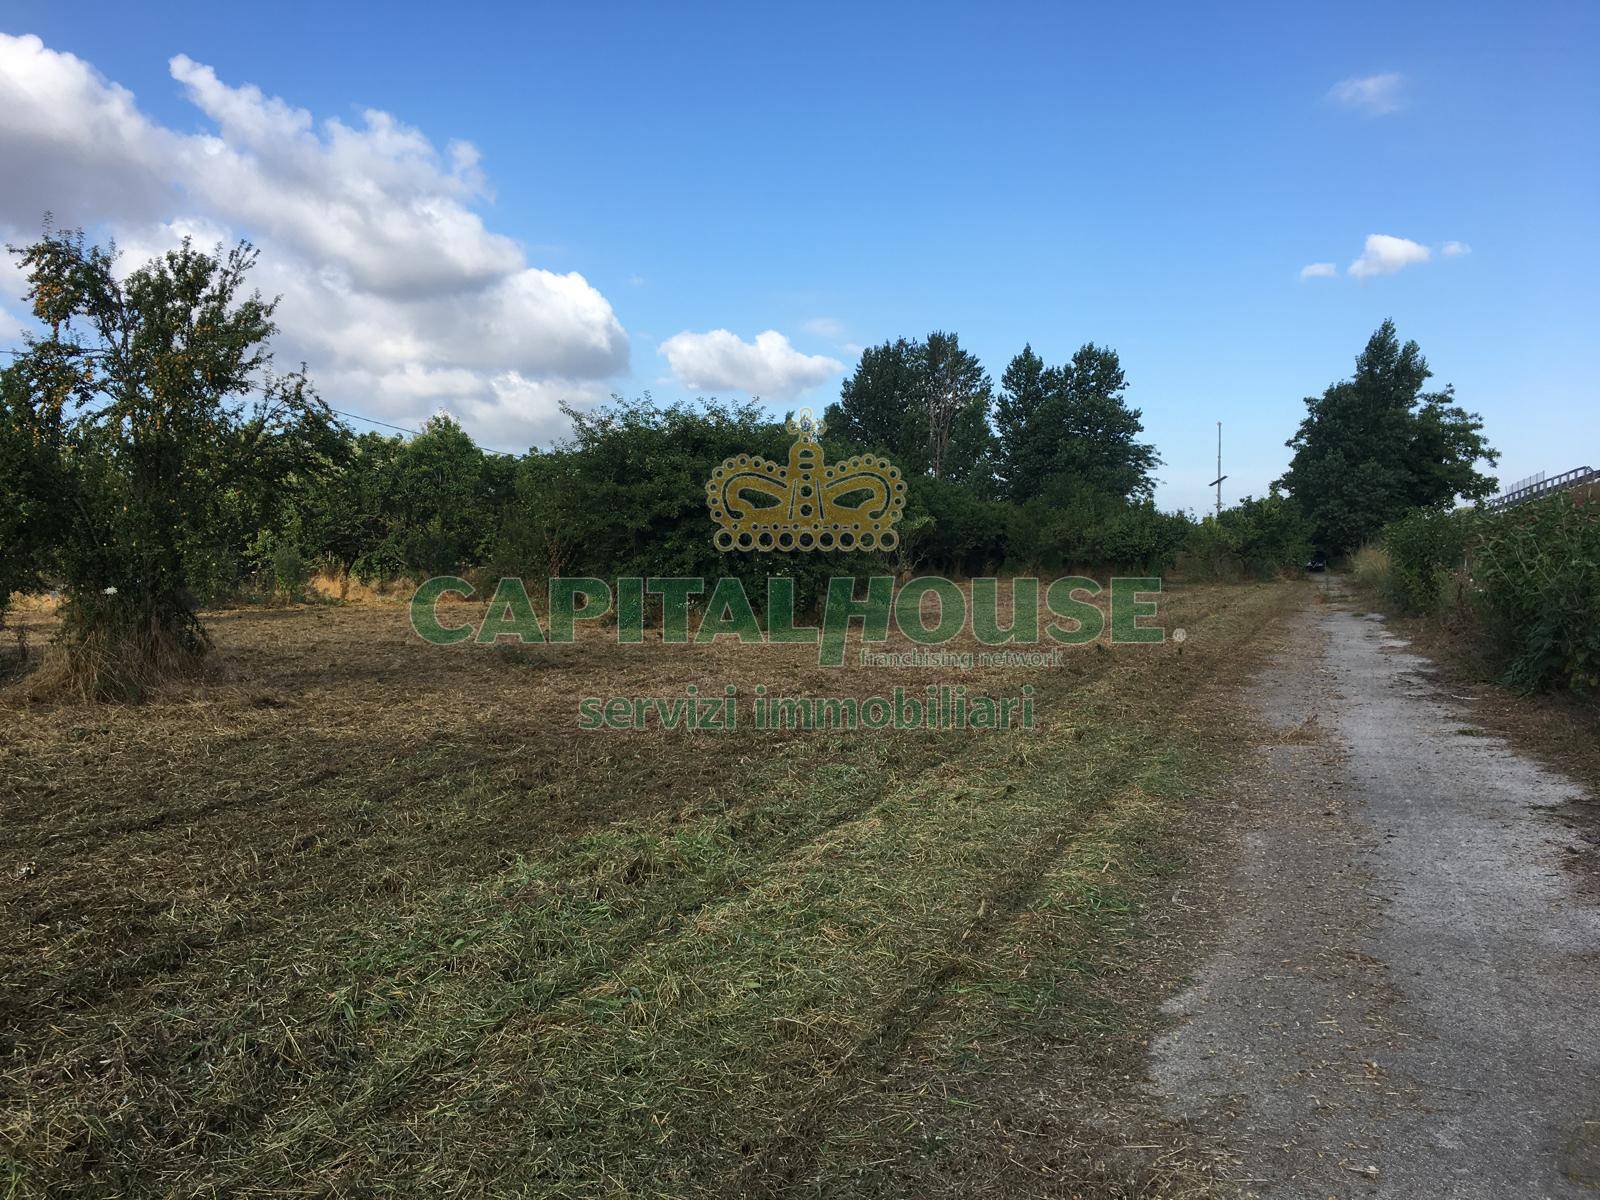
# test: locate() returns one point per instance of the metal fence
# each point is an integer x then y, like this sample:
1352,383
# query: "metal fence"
1537,486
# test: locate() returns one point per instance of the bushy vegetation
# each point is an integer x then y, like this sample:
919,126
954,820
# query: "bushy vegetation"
383,507
1369,569
29,467
1537,571
1255,538
1426,549
152,461
1523,585
625,495
150,410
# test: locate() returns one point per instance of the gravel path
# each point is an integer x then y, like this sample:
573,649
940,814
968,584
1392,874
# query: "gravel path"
1406,1000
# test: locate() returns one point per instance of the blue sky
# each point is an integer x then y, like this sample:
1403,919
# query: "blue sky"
1152,180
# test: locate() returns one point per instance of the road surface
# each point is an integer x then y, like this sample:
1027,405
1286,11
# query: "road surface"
1405,1001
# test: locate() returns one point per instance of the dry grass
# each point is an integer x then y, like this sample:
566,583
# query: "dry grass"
342,586
113,665
1369,571
363,915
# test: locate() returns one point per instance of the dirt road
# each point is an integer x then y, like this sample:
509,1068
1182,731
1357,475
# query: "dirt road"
1406,999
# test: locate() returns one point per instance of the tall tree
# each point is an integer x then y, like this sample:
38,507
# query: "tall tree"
1024,391
956,395
876,405
158,392
1373,446
1068,431
1098,443
925,404
344,514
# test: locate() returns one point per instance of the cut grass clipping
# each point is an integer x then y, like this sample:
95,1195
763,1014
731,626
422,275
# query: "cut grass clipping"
378,925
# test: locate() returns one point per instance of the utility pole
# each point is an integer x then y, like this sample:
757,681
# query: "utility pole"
1217,482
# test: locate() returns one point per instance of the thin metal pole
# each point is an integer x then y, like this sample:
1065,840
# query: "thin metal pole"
1219,470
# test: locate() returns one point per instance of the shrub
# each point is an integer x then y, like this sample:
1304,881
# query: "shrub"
1424,547
626,496
28,478
1255,537
1139,537
290,570
962,534
1537,571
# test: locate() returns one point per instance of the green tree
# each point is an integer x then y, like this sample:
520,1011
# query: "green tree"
1254,537
876,405
925,404
955,399
343,514
625,495
161,417
1019,454
446,497
1376,445
1067,432
385,507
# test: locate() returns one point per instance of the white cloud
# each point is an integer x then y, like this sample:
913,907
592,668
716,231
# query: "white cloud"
74,142
511,413
1384,255
378,200
826,327
1455,249
1318,271
394,291
1374,95
768,367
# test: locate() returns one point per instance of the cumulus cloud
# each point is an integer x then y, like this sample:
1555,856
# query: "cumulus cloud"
1455,249
769,366
826,327
394,291
1318,271
1384,255
74,142
1373,95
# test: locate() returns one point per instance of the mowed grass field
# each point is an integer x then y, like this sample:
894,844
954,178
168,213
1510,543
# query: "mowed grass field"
359,915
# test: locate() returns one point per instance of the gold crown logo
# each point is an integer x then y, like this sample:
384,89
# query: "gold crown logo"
763,506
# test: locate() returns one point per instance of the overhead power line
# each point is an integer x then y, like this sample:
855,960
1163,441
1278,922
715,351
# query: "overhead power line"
339,412
355,416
